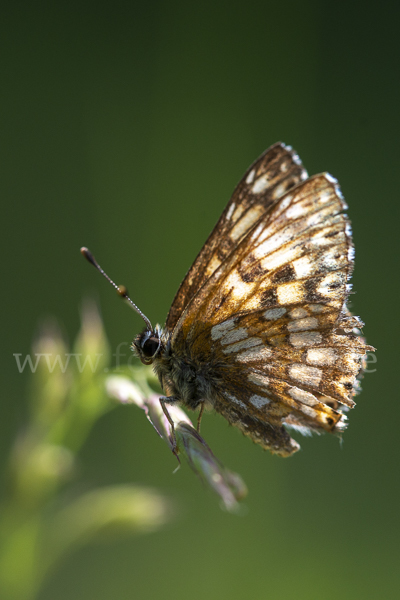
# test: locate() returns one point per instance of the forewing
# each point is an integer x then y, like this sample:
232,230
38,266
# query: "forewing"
273,317
300,251
277,170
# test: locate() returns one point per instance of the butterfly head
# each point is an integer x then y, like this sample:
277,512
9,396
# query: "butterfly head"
147,345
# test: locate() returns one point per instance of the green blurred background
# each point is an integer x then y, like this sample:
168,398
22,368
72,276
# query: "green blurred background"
125,127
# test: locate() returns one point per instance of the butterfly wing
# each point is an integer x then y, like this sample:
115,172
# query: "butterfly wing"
304,380
277,170
273,323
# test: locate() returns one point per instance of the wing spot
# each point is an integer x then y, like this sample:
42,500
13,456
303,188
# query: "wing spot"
309,411
241,345
321,356
305,338
260,184
244,224
303,324
235,284
255,354
279,191
317,308
258,379
250,176
302,267
218,331
303,396
290,293
230,211
273,314
259,401
298,313
234,336
296,210
235,400
306,375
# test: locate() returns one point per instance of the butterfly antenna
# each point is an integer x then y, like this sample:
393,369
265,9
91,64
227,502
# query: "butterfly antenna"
121,289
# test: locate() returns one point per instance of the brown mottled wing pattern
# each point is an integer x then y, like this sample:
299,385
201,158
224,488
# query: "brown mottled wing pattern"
272,320
277,170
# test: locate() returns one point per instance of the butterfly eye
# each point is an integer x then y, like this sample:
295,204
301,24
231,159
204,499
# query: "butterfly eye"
150,346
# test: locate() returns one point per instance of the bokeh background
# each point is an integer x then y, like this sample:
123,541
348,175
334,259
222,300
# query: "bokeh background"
125,127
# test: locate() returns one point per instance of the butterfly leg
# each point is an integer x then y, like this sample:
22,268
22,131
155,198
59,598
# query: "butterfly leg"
170,400
200,416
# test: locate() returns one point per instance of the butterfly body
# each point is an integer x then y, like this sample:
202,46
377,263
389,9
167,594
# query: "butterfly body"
186,378
199,380
259,329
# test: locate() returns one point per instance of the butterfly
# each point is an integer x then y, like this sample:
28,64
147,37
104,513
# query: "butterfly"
259,329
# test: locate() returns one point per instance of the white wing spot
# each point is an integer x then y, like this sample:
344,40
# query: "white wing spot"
316,308
244,224
278,258
250,176
259,401
235,400
272,243
296,210
325,196
298,313
290,293
321,356
230,211
242,345
218,331
307,375
278,191
305,338
272,314
302,267
303,397
303,324
283,204
237,287
258,379
310,412
260,184
234,336
256,353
